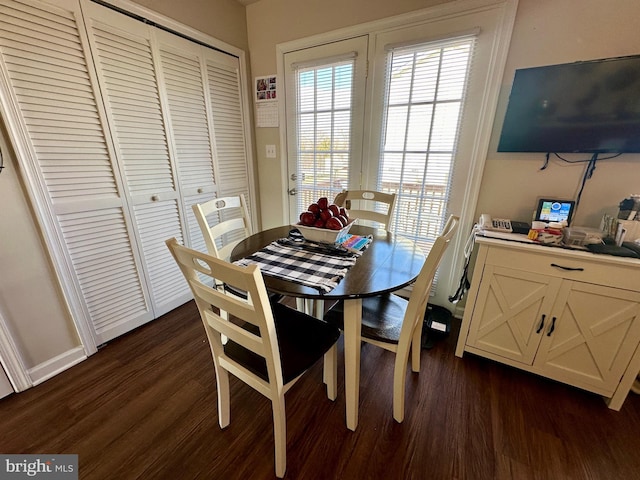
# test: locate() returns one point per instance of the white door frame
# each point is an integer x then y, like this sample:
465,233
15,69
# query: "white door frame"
11,360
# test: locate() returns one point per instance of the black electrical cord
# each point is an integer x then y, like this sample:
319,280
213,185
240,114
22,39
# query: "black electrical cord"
1,162
585,161
588,173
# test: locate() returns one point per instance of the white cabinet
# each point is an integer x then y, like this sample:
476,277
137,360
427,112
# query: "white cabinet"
567,315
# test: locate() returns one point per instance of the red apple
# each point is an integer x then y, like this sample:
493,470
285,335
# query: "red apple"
334,209
319,223
323,203
314,208
307,218
326,214
334,224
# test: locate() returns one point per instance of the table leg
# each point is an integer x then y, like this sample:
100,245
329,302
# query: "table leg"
352,330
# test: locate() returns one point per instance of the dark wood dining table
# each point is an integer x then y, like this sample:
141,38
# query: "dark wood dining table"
389,263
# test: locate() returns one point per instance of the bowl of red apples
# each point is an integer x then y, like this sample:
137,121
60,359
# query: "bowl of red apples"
323,222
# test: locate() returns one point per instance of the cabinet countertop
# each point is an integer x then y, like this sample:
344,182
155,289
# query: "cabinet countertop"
557,251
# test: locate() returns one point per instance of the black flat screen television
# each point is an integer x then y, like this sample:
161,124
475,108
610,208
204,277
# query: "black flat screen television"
591,107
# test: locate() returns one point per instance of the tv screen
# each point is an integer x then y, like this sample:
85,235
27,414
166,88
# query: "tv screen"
589,107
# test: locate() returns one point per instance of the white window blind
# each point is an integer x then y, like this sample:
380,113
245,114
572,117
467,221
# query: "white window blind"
426,85
324,123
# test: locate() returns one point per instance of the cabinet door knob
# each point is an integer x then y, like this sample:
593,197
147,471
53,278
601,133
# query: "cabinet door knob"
553,326
571,269
541,324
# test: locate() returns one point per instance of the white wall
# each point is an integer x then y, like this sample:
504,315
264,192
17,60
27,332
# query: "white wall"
545,32
221,19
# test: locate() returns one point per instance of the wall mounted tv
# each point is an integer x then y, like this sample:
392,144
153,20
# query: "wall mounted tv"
589,107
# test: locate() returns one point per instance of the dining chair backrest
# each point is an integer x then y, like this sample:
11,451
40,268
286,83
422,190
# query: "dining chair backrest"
223,222
368,205
268,346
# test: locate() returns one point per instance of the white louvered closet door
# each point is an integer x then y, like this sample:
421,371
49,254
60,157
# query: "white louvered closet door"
223,86
57,125
206,120
128,78
223,78
188,112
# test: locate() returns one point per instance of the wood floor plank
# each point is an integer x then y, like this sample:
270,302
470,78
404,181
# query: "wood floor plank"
145,407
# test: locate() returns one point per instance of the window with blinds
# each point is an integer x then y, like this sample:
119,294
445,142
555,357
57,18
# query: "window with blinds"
323,118
425,91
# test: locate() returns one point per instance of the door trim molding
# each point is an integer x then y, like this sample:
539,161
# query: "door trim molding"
11,359
50,368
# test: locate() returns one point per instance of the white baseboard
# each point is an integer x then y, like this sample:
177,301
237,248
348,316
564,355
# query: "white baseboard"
55,365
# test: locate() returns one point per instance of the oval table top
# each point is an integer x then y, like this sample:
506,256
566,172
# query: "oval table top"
389,263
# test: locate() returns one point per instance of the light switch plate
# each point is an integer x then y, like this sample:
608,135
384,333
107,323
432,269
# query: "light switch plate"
271,151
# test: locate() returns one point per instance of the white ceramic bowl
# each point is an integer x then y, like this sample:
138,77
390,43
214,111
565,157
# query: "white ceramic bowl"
324,235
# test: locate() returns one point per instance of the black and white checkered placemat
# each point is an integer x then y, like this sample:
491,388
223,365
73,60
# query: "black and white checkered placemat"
310,268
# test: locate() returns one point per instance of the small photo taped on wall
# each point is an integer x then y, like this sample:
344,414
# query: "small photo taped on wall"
266,88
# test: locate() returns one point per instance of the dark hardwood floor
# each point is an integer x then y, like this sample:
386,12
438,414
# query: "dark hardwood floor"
145,407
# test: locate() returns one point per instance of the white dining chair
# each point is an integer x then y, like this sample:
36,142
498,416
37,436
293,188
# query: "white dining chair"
223,222
368,205
269,345
395,323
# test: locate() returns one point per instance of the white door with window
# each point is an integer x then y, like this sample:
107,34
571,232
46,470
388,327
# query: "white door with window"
425,87
325,88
